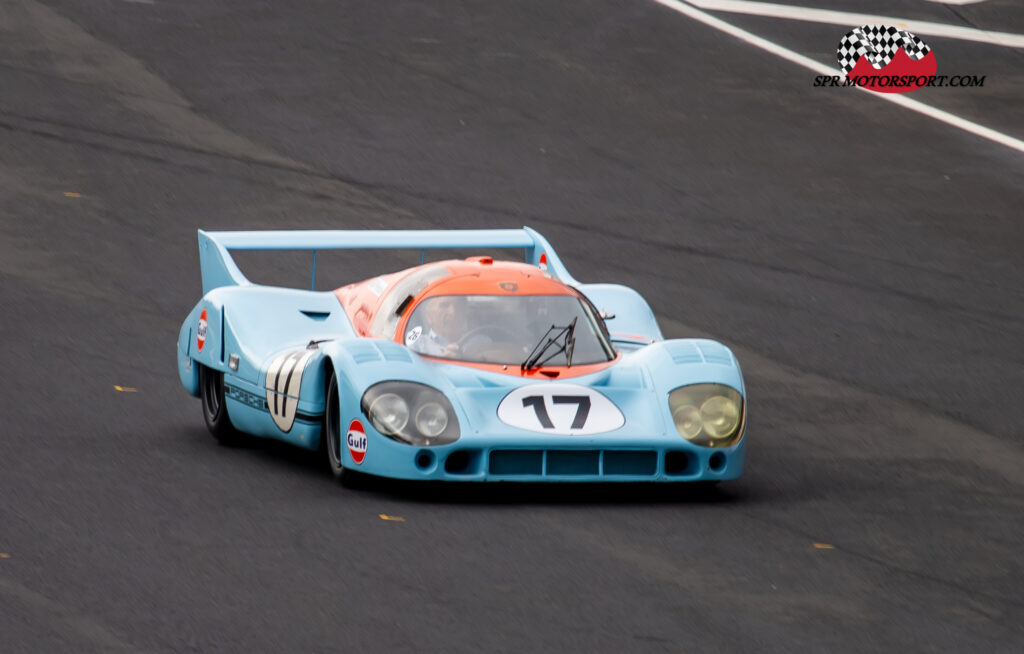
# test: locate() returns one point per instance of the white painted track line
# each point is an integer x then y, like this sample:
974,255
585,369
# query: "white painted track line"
956,2
822,69
851,20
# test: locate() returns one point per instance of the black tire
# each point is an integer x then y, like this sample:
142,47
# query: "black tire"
211,390
330,438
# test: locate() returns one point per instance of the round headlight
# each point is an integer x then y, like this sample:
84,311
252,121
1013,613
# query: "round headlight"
389,413
720,416
688,421
431,419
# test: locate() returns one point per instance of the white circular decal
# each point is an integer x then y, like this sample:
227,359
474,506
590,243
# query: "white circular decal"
560,409
413,335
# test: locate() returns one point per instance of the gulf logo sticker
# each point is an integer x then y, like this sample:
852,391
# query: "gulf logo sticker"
356,441
201,331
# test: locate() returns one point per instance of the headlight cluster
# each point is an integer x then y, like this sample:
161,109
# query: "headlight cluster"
707,414
411,413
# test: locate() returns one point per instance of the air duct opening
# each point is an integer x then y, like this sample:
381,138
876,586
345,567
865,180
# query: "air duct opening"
717,462
680,464
425,460
457,463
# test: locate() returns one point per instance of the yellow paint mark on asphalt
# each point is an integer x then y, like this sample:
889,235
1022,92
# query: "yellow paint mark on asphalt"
72,194
4,555
125,389
392,518
824,546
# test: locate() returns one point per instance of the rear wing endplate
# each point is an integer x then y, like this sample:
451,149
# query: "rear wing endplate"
218,268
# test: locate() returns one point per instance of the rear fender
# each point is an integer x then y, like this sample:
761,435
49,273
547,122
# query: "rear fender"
253,324
201,341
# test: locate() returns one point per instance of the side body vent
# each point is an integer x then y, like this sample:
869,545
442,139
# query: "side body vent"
315,315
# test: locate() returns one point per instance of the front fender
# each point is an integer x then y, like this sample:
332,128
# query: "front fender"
361,363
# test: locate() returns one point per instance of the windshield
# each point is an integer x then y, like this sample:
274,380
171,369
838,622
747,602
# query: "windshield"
503,329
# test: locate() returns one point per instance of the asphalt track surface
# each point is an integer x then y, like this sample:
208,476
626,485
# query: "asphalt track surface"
863,261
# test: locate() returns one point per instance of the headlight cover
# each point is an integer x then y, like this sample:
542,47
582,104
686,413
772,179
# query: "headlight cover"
411,413
708,414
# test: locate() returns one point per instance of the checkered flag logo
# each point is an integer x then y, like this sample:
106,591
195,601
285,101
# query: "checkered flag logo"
879,43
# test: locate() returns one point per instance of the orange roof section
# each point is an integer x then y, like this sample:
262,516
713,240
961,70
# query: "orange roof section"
484,276
472,276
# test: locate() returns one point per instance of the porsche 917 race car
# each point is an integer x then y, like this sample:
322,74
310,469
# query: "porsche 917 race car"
460,370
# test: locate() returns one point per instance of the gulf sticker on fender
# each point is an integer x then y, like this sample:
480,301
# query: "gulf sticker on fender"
201,331
356,441
556,408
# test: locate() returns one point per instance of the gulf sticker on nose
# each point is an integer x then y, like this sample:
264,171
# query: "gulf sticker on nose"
356,441
201,331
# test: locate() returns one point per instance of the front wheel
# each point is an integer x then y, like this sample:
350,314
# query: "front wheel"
211,390
330,437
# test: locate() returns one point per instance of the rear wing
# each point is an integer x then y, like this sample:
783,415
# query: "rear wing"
218,268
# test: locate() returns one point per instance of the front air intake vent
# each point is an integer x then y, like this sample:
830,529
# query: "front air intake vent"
573,463
516,462
715,353
394,352
682,352
638,463
364,352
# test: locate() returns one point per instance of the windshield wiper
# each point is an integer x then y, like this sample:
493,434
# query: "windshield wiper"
565,341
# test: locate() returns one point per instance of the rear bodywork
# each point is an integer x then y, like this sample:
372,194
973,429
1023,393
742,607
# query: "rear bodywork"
277,349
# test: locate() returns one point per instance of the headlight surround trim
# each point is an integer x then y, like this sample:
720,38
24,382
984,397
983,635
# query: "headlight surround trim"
720,411
416,396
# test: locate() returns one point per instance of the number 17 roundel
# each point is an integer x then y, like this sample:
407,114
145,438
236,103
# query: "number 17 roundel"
560,409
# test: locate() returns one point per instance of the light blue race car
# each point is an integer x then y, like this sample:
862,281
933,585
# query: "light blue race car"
461,370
